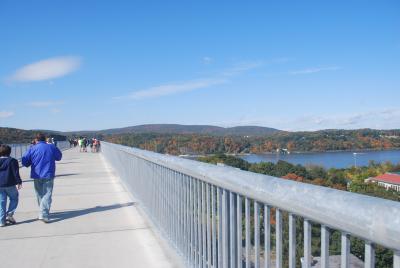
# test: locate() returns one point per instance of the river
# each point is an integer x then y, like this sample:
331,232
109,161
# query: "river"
329,159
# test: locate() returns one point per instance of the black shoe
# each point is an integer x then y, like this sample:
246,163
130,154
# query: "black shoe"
11,220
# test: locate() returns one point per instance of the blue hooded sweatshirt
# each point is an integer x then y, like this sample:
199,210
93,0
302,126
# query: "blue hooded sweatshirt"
41,157
9,172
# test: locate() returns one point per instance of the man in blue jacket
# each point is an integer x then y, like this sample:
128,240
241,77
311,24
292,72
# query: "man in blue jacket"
41,158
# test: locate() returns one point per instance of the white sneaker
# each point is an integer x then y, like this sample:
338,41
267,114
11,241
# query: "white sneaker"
45,220
2,225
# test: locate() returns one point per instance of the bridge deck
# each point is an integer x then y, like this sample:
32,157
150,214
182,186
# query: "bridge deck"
94,223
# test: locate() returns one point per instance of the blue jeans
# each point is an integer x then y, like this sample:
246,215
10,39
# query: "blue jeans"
12,193
44,191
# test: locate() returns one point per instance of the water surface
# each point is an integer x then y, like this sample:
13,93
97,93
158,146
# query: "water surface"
329,159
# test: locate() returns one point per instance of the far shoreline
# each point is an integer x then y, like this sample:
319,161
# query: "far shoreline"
294,152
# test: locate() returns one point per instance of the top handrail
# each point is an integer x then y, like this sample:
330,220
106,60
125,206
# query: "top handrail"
370,218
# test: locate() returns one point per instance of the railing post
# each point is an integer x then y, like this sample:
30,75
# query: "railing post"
214,226
324,246
256,234
278,238
225,229
247,230
232,229
396,259
345,256
208,197
267,236
220,228
239,230
307,244
369,255
292,241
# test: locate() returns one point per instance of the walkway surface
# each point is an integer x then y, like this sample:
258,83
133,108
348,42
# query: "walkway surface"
94,223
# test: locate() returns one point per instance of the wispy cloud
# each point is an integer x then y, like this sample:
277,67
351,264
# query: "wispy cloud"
242,67
55,111
46,69
220,78
6,114
44,104
174,88
207,60
379,119
315,70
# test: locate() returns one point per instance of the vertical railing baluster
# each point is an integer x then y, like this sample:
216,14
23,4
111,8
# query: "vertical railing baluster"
203,223
192,221
175,207
214,226
195,217
225,229
325,233
278,237
208,226
239,230
396,259
292,240
256,235
247,230
185,226
220,238
199,227
307,244
267,236
232,229
187,221
345,256
181,203
170,205
369,259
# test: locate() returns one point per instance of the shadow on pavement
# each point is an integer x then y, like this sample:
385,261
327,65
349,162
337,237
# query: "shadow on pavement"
57,176
66,175
65,215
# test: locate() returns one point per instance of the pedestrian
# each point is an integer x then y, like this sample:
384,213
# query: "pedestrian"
41,158
10,183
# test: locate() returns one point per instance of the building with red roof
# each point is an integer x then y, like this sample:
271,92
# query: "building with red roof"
387,180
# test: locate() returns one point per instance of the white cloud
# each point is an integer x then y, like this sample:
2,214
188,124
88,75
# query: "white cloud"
207,60
242,67
190,85
46,69
174,88
376,119
6,114
55,111
379,119
42,104
315,70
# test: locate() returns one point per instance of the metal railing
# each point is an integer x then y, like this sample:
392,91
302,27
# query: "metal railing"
224,217
18,150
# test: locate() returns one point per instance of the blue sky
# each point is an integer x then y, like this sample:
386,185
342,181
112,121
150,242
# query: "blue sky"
293,65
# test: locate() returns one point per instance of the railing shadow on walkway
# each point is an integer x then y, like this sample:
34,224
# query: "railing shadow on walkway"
65,215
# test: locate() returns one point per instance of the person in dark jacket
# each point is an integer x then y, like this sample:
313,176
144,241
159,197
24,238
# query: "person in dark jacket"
10,183
41,158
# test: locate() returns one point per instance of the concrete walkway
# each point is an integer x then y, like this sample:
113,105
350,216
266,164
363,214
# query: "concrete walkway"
94,223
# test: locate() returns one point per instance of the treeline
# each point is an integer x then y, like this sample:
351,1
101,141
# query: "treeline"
349,179
325,140
14,135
